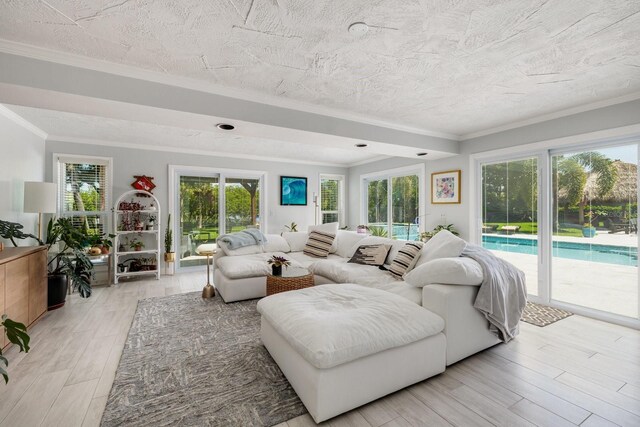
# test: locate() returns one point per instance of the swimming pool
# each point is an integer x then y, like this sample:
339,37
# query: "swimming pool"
607,254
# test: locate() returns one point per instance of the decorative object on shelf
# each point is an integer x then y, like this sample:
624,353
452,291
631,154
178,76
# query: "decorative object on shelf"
293,227
446,187
151,222
40,197
136,244
134,211
362,229
429,234
143,182
293,191
277,262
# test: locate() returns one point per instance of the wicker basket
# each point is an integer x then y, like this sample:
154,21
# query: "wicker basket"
277,284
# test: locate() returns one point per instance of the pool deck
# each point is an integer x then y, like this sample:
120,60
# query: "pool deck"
601,238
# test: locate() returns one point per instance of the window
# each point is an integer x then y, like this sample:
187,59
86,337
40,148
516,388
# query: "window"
331,198
393,203
84,185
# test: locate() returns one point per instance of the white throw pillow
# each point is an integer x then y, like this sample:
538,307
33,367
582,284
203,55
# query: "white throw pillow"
442,245
295,240
276,243
346,241
245,250
446,271
331,228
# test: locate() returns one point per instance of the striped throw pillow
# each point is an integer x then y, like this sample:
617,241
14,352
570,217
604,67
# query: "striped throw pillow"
318,244
406,259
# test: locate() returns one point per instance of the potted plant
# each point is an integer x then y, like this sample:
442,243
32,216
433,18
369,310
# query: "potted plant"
151,222
136,244
277,262
293,227
588,230
69,263
362,229
169,255
429,234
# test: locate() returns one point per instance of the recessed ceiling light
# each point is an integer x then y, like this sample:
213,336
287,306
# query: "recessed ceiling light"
421,154
358,29
361,145
225,126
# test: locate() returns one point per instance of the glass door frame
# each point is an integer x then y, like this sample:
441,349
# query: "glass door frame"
544,151
176,171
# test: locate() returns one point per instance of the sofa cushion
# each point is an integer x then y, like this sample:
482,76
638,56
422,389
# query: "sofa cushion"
338,270
246,250
442,245
319,244
241,267
402,289
396,245
371,254
347,240
446,271
306,261
331,228
295,240
276,243
406,259
335,324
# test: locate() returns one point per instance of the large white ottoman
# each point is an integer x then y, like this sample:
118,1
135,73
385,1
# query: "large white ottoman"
341,346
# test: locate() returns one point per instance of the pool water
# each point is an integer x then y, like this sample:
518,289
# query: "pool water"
608,254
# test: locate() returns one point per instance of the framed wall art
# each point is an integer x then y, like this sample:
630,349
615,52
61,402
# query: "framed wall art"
293,191
446,187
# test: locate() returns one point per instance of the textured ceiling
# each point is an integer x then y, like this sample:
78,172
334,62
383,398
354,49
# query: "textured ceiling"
92,129
456,66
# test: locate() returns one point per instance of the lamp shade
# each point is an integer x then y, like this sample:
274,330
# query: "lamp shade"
40,197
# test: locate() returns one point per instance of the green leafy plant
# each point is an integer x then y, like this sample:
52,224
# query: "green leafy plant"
70,260
168,236
136,244
13,230
293,227
17,334
449,227
378,231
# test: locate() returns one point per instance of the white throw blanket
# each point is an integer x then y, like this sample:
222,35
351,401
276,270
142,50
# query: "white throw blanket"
502,296
248,237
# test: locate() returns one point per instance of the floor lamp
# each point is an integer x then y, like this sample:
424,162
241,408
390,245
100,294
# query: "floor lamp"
40,197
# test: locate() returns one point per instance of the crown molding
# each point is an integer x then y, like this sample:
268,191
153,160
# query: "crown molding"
182,150
555,115
20,121
51,55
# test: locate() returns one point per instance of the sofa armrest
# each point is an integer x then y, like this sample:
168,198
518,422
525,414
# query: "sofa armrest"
466,329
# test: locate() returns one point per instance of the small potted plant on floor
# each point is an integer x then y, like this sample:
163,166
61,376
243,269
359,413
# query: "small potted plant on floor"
277,262
169,255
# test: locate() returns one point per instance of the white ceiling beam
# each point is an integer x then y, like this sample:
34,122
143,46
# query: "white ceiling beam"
44,84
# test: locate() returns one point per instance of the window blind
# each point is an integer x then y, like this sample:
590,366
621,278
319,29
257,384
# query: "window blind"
330,199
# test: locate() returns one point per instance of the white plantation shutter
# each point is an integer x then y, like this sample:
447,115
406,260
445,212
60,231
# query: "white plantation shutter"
85,191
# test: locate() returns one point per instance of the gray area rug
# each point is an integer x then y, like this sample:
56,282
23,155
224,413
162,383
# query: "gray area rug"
189,361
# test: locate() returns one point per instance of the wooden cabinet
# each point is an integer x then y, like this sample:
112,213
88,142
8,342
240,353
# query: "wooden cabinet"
23,284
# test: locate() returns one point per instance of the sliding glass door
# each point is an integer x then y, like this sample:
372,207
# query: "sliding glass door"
595,240
510,214
568,219
208,203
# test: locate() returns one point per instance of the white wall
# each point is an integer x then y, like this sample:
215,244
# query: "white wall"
128,162
21,159
625,114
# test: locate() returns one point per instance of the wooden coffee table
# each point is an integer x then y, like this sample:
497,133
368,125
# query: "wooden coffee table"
293,278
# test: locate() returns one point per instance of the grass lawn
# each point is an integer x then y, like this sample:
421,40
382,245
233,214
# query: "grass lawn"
532,228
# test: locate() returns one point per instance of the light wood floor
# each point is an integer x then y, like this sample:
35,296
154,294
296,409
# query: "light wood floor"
575,372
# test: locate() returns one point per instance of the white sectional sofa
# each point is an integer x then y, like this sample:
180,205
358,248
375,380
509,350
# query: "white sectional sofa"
445,285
